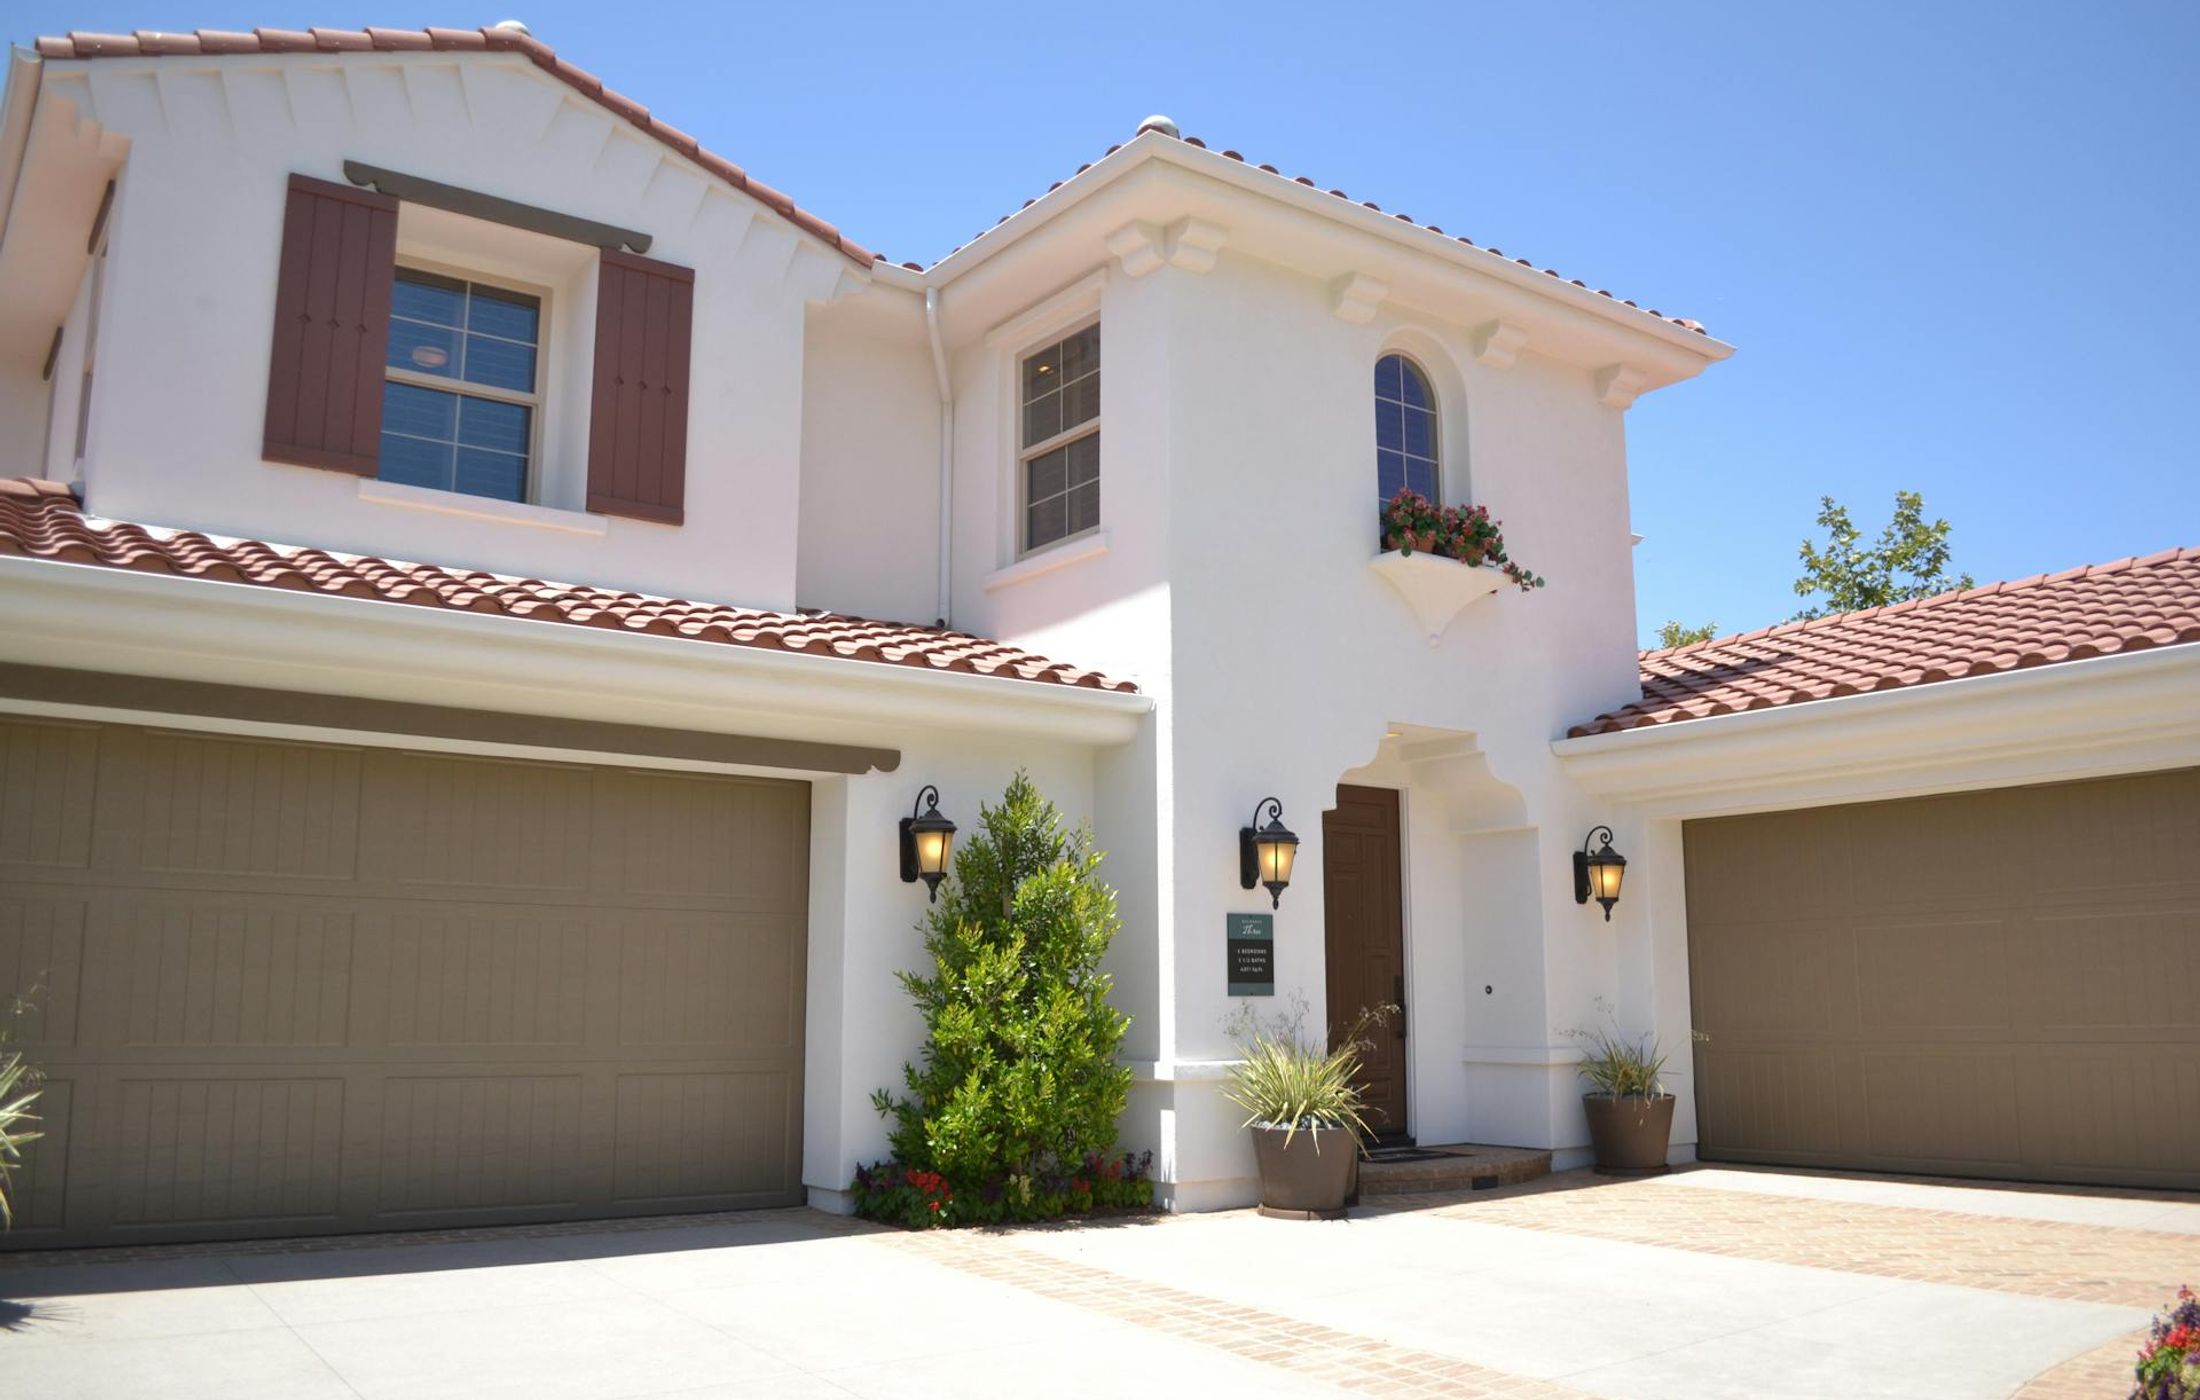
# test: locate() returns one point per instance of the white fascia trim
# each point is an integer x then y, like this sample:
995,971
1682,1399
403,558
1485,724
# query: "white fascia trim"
1151,146
97,618
2122,713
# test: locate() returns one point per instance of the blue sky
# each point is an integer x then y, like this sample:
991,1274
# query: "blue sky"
1954,242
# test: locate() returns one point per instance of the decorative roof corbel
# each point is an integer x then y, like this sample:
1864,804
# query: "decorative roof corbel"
1498,344
1617,385
1355,297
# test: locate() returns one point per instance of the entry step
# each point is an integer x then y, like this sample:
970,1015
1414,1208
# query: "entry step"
1465,1166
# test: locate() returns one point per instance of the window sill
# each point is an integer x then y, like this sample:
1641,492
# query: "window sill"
570,522
1059,555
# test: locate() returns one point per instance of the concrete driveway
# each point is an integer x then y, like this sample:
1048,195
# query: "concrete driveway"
1707,1283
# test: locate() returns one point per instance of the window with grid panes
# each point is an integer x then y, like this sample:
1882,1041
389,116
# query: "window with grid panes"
1059,434
459,407
1405,429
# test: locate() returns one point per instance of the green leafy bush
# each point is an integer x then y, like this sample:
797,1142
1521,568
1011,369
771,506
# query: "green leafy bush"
1011,1112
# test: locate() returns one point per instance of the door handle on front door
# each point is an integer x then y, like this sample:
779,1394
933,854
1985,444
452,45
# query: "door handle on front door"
1398,986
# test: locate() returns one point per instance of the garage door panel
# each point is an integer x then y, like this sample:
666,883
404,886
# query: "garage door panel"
2025,1010
215,1149
1942,977
2117,1108
42,960
683,837
481,825
732,983
1942,1105
1798,986
2131,974
293,988
479,976
192,804
203,971
2132,835
1747,850
46,787
484,1141
697,1138
1772,1101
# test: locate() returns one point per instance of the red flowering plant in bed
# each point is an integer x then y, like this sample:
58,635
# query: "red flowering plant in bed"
2169,1364
1411,521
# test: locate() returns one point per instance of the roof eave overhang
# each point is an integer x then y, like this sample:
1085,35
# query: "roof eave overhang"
95,618
18,101
1457,259
2128,712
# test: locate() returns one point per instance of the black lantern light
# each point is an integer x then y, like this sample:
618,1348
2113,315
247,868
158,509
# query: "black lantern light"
1597,874
927,843
1265,853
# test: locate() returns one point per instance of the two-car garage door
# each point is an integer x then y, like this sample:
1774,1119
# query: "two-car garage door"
298,988
2001,984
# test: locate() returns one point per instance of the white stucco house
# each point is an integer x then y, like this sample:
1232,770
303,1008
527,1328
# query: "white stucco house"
482,578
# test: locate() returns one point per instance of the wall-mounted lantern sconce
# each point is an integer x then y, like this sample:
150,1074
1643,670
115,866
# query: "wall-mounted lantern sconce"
927,843
1265,853
1597,874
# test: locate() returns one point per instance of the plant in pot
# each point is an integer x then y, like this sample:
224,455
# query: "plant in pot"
1630,1114
1304,1110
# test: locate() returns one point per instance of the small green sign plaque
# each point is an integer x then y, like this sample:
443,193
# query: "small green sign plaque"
1251,939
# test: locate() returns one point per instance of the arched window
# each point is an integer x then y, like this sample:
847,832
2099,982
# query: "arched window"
1405,428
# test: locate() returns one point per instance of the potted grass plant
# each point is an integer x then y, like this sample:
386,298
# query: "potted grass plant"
1304,1110
1630,1114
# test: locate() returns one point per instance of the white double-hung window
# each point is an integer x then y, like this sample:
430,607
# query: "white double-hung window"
463,394
1059,434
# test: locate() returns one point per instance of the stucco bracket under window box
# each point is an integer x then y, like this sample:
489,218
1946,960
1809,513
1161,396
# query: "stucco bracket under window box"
1435,588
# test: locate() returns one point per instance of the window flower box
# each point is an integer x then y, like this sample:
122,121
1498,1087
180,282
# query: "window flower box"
1436,589
1442,558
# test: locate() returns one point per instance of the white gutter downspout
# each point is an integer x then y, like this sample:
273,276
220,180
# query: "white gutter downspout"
947,452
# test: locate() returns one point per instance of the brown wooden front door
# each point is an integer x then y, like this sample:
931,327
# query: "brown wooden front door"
1362,878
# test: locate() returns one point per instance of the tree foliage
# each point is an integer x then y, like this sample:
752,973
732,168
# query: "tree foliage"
1909,561
1018,1078
1675,633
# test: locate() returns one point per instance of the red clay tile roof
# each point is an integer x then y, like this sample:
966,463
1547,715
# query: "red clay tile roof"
2101,610
147,43
41,520
1683,323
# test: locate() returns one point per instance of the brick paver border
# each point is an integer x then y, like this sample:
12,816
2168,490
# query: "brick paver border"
1347,1360
2039,1258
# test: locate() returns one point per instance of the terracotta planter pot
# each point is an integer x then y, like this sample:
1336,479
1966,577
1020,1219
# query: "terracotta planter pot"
1308,1178
1630,1134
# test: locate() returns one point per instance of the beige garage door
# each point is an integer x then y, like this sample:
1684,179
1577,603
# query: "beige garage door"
298,988
2001,984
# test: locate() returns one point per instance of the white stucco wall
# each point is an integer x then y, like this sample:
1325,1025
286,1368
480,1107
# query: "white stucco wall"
869,538
180,396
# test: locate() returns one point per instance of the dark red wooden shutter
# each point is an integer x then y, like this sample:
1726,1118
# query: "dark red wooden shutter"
637,423
332,327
